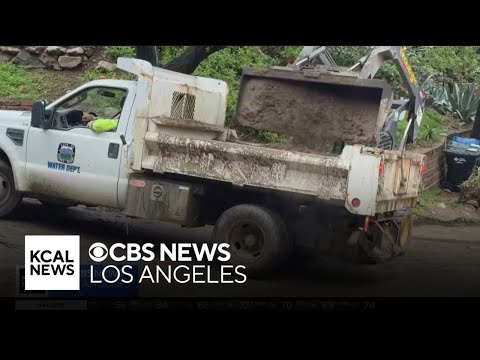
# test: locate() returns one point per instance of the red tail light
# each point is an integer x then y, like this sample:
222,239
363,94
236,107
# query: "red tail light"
380,169
356,202
137,183
423,169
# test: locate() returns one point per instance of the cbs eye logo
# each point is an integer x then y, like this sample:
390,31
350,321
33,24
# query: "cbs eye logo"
98,252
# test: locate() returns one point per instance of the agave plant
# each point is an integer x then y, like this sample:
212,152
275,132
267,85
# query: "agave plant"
438,94
440,99
462,102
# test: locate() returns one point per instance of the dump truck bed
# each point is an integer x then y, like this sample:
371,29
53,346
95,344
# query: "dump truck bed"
383,180
179,129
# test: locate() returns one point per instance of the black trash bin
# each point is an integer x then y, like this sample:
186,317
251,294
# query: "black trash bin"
460,163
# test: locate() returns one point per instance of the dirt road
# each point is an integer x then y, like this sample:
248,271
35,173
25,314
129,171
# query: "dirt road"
442,261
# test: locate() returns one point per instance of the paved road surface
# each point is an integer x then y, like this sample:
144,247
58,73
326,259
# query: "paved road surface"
442,261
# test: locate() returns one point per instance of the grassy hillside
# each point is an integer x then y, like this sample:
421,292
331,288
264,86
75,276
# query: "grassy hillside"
17,83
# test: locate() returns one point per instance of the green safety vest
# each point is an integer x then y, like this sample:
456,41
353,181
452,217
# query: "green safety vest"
103,125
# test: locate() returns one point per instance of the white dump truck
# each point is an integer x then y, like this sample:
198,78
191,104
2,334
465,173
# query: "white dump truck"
172,159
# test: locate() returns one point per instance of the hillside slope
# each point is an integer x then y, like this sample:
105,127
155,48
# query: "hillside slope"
18,82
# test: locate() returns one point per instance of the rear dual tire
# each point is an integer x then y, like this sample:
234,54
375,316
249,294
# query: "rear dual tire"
257,238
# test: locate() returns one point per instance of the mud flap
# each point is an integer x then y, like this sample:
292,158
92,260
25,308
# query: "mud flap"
379,247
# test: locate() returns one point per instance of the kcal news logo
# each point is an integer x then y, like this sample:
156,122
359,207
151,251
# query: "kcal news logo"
52,262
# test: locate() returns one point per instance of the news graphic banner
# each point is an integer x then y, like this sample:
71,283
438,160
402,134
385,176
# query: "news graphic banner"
53,264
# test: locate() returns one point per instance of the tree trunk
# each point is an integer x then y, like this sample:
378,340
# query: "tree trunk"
191,58
476,125
148,53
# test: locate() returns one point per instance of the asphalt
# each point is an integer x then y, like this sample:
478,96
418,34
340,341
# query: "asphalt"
442,261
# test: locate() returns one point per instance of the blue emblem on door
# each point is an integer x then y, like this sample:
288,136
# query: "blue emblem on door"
66,153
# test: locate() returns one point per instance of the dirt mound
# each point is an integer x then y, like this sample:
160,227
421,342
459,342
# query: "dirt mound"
322,113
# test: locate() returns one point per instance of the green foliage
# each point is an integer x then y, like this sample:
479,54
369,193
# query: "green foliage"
168,53
270,137
449,63
429,133
121,51
433,124
91,75
347,55
430,196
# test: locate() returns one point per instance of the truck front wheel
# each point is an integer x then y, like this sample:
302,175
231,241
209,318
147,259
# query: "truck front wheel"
257,237
9,197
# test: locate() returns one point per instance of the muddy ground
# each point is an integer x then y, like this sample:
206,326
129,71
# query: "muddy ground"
443,261
443,206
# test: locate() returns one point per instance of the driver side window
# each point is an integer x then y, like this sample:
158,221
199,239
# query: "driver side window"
102,102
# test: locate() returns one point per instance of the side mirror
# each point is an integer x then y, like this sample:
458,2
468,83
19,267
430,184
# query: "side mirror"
40,117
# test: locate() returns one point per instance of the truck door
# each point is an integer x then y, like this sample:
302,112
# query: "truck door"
76,163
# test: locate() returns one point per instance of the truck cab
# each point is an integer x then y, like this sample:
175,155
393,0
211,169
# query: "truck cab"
67,160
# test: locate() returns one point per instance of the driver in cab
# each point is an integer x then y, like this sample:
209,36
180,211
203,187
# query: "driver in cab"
99,124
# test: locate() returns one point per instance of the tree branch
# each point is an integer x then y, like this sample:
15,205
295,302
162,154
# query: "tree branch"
147,53
191,58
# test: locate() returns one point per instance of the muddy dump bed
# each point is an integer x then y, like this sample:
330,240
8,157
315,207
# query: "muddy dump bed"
321,110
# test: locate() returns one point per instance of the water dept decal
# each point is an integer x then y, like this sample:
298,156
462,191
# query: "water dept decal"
66,153
65,156
62,167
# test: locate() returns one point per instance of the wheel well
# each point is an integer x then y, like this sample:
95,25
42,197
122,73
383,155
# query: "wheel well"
217,198
4,157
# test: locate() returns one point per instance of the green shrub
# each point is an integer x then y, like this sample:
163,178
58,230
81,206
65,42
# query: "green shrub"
433,124
121,51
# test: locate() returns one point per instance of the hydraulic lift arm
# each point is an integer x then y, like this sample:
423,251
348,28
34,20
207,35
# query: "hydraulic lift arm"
415,105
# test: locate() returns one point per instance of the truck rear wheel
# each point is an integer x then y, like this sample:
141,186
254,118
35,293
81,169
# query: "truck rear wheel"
9,197
257,237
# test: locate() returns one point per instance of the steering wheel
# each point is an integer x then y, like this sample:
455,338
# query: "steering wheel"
72,118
